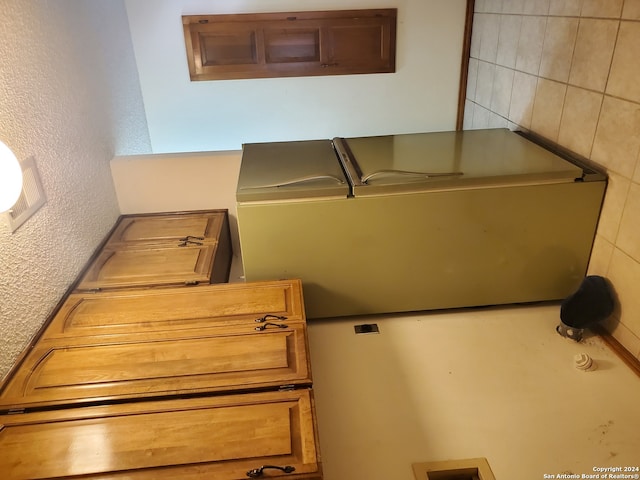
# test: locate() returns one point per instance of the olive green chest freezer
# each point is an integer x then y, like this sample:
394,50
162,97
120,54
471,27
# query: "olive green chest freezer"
413,222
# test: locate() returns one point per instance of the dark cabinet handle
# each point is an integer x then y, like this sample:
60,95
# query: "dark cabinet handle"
270,317
264,326
189,240
257,472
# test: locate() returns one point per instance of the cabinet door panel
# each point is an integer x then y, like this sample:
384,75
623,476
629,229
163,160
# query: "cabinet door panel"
205,226
149,265
86,369
218,46
236,48
202,438
362,43
138,311
163,249
285,44
227,49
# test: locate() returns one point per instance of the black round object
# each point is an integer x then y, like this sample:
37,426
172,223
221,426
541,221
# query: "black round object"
591,303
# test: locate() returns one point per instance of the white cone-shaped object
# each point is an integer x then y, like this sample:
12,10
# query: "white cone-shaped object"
10,178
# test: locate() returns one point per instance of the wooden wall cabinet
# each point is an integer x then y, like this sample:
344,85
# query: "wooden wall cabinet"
295,44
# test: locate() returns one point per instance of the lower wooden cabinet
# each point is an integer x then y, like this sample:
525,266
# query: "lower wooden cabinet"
162,250
202,382
175,308
231,359
220,437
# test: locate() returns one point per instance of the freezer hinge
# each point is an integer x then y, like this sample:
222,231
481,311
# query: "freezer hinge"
287,388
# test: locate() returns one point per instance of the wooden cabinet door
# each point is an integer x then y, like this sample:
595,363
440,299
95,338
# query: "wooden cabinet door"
359,45
289,42
224,50
220,437
177,308
162,249
201,227
149,265
225,359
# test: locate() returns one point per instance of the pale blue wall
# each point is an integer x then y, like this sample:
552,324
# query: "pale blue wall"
221,115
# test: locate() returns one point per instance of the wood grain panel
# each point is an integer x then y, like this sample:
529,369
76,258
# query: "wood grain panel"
162,228
89,369
131,311
362,43
285,44
150,265
200,438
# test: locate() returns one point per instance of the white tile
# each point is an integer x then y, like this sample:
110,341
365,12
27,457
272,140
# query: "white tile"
579,120
530,44
601,8
484,84
536,7
547,108
508,40
476,34
497,121
502,87
472,78
514,6
617,140
565,7
493,6
600,257
613,206
625,68
489,38
593,52
481,117
624,274
468,115
559,42
629,234
522,98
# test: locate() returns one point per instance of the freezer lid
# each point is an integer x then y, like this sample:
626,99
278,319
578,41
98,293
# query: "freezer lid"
449,160
290,170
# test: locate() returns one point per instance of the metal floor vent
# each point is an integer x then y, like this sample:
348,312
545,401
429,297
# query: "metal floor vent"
31,198
465,469
367,328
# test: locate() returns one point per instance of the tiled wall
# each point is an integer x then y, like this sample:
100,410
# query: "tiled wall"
570,70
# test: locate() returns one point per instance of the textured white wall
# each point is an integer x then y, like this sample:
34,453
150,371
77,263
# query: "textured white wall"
187,116
70,97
